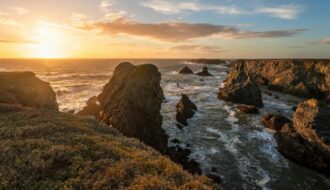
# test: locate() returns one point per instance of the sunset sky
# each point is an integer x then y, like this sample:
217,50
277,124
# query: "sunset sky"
164,29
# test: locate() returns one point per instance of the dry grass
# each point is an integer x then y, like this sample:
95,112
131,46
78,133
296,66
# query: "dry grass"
43,149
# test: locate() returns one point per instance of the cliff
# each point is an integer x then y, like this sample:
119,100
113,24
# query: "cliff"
303,78
45,149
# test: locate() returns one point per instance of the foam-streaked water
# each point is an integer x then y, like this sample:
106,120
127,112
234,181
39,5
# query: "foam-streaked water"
237,145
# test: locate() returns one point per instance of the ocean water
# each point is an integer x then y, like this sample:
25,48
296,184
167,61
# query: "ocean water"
237,145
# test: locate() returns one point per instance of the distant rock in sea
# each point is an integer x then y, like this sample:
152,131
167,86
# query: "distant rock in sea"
247,109
185,110
274,122
307,139
25,89
240,88
204,72
131,103
186,70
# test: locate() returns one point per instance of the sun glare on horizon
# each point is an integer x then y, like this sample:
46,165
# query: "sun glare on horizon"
49,43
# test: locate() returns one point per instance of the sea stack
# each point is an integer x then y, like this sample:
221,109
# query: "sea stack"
92,108
186,70
185,110
240,88
25,89
131,103
204,72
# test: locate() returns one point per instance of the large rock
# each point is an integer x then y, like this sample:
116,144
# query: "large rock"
186,70
131,102
303,78
204,72
185,110
25,89
274,122
307,140
92,108
240,88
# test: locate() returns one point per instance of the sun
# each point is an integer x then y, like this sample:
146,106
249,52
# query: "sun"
49,43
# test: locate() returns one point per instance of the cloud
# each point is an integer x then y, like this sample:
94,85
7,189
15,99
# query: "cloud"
198,48
180,31
17,41
105,5
171,7
284,12
20,10
8,21
325,41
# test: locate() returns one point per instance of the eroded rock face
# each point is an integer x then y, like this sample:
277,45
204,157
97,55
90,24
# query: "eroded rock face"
131,102
248,109
303,78
186,70
92,108
274,122
25,89
185,110
204,72
306,141
240,88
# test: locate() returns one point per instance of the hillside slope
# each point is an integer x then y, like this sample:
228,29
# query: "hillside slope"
44,149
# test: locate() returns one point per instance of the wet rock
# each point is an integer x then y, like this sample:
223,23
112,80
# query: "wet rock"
240,88
131,103
303,78
204,72
268,93
176,141
185,109
61,92
248,109
307,140
180,155
25,89
216,178
92,108
294,108
186,70
71,111
274,122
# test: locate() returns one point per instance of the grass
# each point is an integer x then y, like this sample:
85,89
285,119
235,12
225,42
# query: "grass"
42,149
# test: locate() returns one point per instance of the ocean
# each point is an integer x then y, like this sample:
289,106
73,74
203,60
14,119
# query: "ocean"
242,151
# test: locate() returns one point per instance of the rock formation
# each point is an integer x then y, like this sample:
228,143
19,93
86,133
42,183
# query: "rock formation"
274,122
248,109
307,140
240,88
303,78
186,70
25,89
204,72
131,103
92,108
185,110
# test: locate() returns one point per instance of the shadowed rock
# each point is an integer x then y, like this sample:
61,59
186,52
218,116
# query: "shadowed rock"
240,88
92,108
186,70
307,141
204,73
274,122
24,88
131,103
247,109
185,110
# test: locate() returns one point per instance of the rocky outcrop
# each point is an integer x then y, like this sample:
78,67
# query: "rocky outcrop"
92,108
186,70
307,139
248,109
204,72
131,103
303,78
274,122
185,109
240,88
25,89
